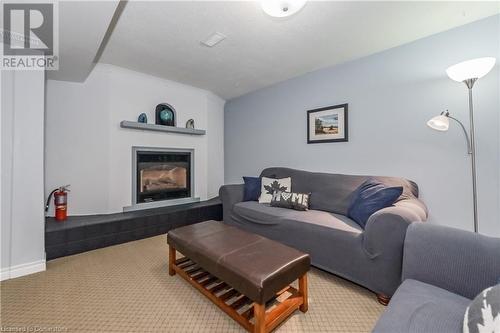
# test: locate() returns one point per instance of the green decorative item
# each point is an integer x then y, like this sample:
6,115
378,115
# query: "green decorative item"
165,115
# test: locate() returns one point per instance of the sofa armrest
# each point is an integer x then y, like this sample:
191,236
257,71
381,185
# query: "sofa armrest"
230,195
459,261
385,230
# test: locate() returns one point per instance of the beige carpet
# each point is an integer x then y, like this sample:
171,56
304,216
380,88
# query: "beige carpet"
126,288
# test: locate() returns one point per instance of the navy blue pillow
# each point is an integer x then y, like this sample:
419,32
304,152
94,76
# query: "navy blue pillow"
370,197
252,188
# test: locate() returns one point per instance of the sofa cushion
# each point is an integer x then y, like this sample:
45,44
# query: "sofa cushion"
251,192
332,192
422,308
483,314
265,214
370,197
271,185
290,200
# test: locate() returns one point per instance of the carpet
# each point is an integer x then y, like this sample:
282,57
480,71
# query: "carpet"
126,288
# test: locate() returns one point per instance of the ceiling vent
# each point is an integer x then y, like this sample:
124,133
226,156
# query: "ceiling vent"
213,39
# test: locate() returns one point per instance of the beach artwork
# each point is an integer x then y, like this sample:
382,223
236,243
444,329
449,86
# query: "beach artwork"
328,124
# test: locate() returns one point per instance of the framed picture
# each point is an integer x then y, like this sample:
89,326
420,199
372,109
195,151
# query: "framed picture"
328,124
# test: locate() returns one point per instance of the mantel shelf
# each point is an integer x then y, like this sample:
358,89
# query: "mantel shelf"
160,128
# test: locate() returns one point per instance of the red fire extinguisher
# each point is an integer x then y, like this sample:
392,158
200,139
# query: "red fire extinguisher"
60,202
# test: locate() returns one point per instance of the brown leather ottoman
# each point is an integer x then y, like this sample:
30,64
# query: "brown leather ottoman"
241,272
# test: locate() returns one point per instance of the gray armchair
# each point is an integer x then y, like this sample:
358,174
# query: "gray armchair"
443,270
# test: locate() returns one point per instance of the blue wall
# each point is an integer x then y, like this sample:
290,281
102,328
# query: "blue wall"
391,96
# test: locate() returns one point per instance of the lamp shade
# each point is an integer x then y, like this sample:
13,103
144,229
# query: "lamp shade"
282,8
471,69
439,123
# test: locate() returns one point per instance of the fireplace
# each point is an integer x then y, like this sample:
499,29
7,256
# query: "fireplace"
161,177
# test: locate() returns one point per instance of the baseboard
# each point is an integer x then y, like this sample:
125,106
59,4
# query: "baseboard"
5,274
21,270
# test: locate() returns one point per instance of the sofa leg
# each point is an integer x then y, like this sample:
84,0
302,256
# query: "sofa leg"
383,299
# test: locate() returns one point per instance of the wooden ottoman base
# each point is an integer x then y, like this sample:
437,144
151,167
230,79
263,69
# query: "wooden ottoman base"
254,317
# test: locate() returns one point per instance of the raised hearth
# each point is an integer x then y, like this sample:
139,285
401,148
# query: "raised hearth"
84,233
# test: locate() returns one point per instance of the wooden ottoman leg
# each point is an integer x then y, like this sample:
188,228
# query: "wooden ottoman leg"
303,292
383,299
259,311
171,260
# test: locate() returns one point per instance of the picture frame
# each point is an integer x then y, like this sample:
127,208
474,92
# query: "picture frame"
328,124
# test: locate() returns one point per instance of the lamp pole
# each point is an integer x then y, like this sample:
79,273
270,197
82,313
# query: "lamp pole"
470,83
468,72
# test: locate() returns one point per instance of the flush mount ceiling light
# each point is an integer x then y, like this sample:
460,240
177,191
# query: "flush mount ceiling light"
282,8
213,39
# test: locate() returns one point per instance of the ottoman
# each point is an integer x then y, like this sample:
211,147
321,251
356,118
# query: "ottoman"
246,275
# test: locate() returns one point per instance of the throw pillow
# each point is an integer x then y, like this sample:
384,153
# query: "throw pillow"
370,197
297,201
483,314
270,185
251,191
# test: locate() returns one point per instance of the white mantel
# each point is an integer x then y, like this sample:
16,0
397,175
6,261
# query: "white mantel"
87,148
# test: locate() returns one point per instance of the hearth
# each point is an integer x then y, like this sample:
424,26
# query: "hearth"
161,177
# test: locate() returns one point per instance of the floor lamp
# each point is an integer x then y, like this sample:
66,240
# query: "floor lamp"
467,72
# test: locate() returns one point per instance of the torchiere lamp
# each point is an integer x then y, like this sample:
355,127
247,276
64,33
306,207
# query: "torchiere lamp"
467,72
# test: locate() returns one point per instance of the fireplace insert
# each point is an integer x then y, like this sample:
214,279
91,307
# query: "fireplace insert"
162,175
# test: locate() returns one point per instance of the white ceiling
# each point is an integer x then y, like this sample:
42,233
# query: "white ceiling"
163,38
82,26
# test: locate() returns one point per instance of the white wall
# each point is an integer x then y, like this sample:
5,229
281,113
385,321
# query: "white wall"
22,219
391,96
86,147
215,145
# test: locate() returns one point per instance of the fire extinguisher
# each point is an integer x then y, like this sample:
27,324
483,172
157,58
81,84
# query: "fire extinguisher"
60,202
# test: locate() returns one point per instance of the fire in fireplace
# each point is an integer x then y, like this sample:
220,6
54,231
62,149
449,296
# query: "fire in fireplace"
162,175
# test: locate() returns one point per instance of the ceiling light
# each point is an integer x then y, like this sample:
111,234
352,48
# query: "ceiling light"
214,39
282,8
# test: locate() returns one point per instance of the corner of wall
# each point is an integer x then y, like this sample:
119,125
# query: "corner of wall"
22,220
215,144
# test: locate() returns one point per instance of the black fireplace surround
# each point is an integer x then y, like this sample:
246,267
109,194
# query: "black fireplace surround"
162,175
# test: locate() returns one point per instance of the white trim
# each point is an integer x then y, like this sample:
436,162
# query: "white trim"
21,270
4,274
162,203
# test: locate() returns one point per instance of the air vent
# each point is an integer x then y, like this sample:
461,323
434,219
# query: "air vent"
213,39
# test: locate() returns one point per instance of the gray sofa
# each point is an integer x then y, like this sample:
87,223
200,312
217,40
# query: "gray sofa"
443,270
371,257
